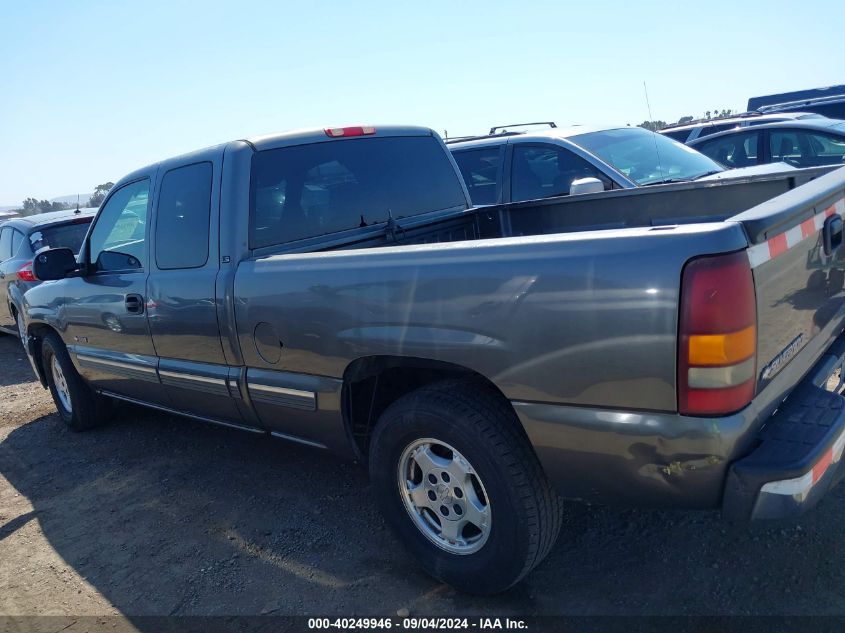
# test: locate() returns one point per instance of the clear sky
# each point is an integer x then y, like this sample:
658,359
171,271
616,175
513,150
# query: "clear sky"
91,90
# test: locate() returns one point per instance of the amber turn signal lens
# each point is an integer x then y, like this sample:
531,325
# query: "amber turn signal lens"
722,349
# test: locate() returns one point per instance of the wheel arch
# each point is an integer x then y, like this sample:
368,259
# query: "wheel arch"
35,335
372,383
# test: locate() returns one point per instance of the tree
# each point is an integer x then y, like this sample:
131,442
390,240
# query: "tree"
684,119
100,192
654,126
31,206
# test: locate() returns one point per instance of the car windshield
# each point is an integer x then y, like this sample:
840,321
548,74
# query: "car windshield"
645,157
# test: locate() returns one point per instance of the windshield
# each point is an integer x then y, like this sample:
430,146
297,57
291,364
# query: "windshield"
645,157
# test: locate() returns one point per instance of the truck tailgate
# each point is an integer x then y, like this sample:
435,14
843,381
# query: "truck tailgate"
799,269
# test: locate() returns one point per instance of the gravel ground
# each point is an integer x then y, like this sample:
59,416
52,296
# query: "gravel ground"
158,515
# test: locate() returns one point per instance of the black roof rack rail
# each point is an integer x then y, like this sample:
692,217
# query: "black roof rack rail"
738,115
504,128
460,139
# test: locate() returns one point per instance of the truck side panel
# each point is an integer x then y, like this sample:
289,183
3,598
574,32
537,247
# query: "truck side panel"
586,319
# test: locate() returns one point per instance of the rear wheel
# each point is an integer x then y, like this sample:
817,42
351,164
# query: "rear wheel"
79,406
459,483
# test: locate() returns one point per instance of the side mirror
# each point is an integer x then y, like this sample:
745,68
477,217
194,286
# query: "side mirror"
114,260
586,185
54,263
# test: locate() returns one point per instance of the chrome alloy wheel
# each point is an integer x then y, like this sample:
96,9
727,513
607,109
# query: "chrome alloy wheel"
60,382
444,496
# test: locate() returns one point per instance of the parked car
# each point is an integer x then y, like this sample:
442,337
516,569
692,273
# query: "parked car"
797,143
336,288
20,239
686,132
511,166
828,101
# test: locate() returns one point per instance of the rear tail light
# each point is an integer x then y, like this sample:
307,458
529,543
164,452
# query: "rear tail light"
358,130
25,272
717,351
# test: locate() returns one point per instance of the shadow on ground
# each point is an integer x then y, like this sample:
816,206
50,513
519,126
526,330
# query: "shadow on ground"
168,516
13,359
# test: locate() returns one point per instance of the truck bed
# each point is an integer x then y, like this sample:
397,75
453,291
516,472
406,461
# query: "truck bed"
661,205
546,262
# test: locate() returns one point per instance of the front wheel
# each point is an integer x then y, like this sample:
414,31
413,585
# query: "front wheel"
459,483
79,406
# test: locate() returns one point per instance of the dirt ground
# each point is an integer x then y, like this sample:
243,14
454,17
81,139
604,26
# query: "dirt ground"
158,515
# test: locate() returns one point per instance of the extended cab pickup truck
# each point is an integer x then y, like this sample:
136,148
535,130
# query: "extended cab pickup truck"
667,346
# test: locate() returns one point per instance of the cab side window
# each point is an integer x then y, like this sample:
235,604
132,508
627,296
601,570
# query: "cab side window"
541,172
118,239
803,148
480,169
786,146
5,244
183,217
828,149
17,240
733,150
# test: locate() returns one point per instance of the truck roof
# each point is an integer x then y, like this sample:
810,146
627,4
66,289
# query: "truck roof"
282,139
301,137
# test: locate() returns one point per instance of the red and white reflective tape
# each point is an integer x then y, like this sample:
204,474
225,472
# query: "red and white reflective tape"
782,242
800,486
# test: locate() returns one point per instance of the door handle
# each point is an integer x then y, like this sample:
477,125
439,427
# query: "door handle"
134,304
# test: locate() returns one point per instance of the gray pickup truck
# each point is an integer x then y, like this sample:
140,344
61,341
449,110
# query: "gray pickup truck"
671,346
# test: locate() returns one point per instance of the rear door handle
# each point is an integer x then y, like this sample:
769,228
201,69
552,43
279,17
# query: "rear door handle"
134,304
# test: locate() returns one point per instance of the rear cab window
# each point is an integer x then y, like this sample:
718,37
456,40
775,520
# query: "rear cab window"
70,235
316,189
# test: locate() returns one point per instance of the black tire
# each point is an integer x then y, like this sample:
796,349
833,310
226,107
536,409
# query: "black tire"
525,511
835,281
816,280
87,408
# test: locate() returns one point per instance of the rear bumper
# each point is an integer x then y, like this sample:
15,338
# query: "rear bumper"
667,460
798,453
